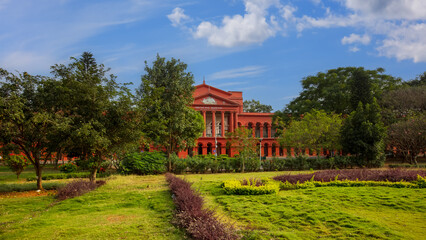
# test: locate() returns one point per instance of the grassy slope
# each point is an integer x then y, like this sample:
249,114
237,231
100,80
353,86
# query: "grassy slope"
128,207
332,212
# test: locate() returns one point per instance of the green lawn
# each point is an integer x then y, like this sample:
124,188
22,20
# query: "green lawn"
127,207
140,207
329,212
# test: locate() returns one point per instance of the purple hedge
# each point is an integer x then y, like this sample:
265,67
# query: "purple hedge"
391,175
200,223
77,188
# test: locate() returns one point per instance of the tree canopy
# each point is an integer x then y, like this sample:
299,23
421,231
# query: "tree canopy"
165,97
256,106
331,91
315,130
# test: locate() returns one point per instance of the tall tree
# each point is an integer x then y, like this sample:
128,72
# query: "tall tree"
256,106
102,113
409,137
166,97
331,91
315,130
245,144
27,124
362,135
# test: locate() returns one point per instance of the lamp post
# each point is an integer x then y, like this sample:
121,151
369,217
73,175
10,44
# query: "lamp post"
260,152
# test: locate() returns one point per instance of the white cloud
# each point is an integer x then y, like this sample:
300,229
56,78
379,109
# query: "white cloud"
354,49
248,71
355,38
252,27
32,61
406,42
177,16
389,9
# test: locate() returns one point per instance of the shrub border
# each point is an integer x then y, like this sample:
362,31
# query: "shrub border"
199,223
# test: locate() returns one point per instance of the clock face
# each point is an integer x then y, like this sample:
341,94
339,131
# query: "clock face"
209,100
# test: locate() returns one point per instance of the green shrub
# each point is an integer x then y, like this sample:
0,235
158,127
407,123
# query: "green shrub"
69,175
68,168
143,163
16,163
236,187
178,164
225,163
82,164
252,165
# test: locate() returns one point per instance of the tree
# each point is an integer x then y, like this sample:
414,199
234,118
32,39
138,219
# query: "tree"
418,81
245,144
165,97
404,102
409,137
315,130
256,106
362,135
27,124
16,163
103,117
331,91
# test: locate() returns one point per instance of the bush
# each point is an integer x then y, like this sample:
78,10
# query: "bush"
178,164
69,175
251,187
391,175
77,188
17,163
198,222
143,163
82,164
21,187
68,168
407,166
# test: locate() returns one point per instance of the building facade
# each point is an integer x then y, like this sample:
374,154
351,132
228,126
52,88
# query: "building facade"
223,112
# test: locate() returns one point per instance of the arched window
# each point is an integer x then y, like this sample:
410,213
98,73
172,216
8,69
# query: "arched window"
219,149
200,149
209,148
228,149
257,132
274,149
265,150
190,152
265,130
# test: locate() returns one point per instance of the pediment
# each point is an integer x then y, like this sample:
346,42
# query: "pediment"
212,99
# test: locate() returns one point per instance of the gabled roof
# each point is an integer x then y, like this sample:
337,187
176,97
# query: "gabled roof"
230,102
204,85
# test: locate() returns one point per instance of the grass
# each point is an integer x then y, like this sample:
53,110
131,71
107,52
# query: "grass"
127,207
140,207
330,213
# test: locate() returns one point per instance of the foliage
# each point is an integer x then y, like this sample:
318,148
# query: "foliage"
52,176
329,91
250,187
103,118
315,130
407,166
166,97
420,80
68,168
198,222
363,135
16,163
27,124
245,144
306,163
390,175
408,137
77,188
143,163
23,187
256,106
404,102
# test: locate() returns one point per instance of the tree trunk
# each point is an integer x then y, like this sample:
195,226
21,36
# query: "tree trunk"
38,170
92,176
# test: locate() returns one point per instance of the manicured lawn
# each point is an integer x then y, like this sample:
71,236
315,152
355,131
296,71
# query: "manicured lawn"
140,207
127,207
329,212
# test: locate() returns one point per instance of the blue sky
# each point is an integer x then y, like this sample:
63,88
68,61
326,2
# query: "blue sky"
261,47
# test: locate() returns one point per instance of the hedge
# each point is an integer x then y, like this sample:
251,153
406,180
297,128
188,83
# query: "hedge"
238,188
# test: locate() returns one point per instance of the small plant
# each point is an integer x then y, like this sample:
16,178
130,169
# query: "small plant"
251,187
68,168
77,188
17,163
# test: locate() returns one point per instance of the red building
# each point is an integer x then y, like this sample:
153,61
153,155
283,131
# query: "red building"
223,112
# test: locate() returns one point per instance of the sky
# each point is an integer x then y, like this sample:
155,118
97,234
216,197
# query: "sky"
263,48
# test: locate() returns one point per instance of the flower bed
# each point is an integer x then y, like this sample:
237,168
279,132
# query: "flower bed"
200,223
391,175
251,187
